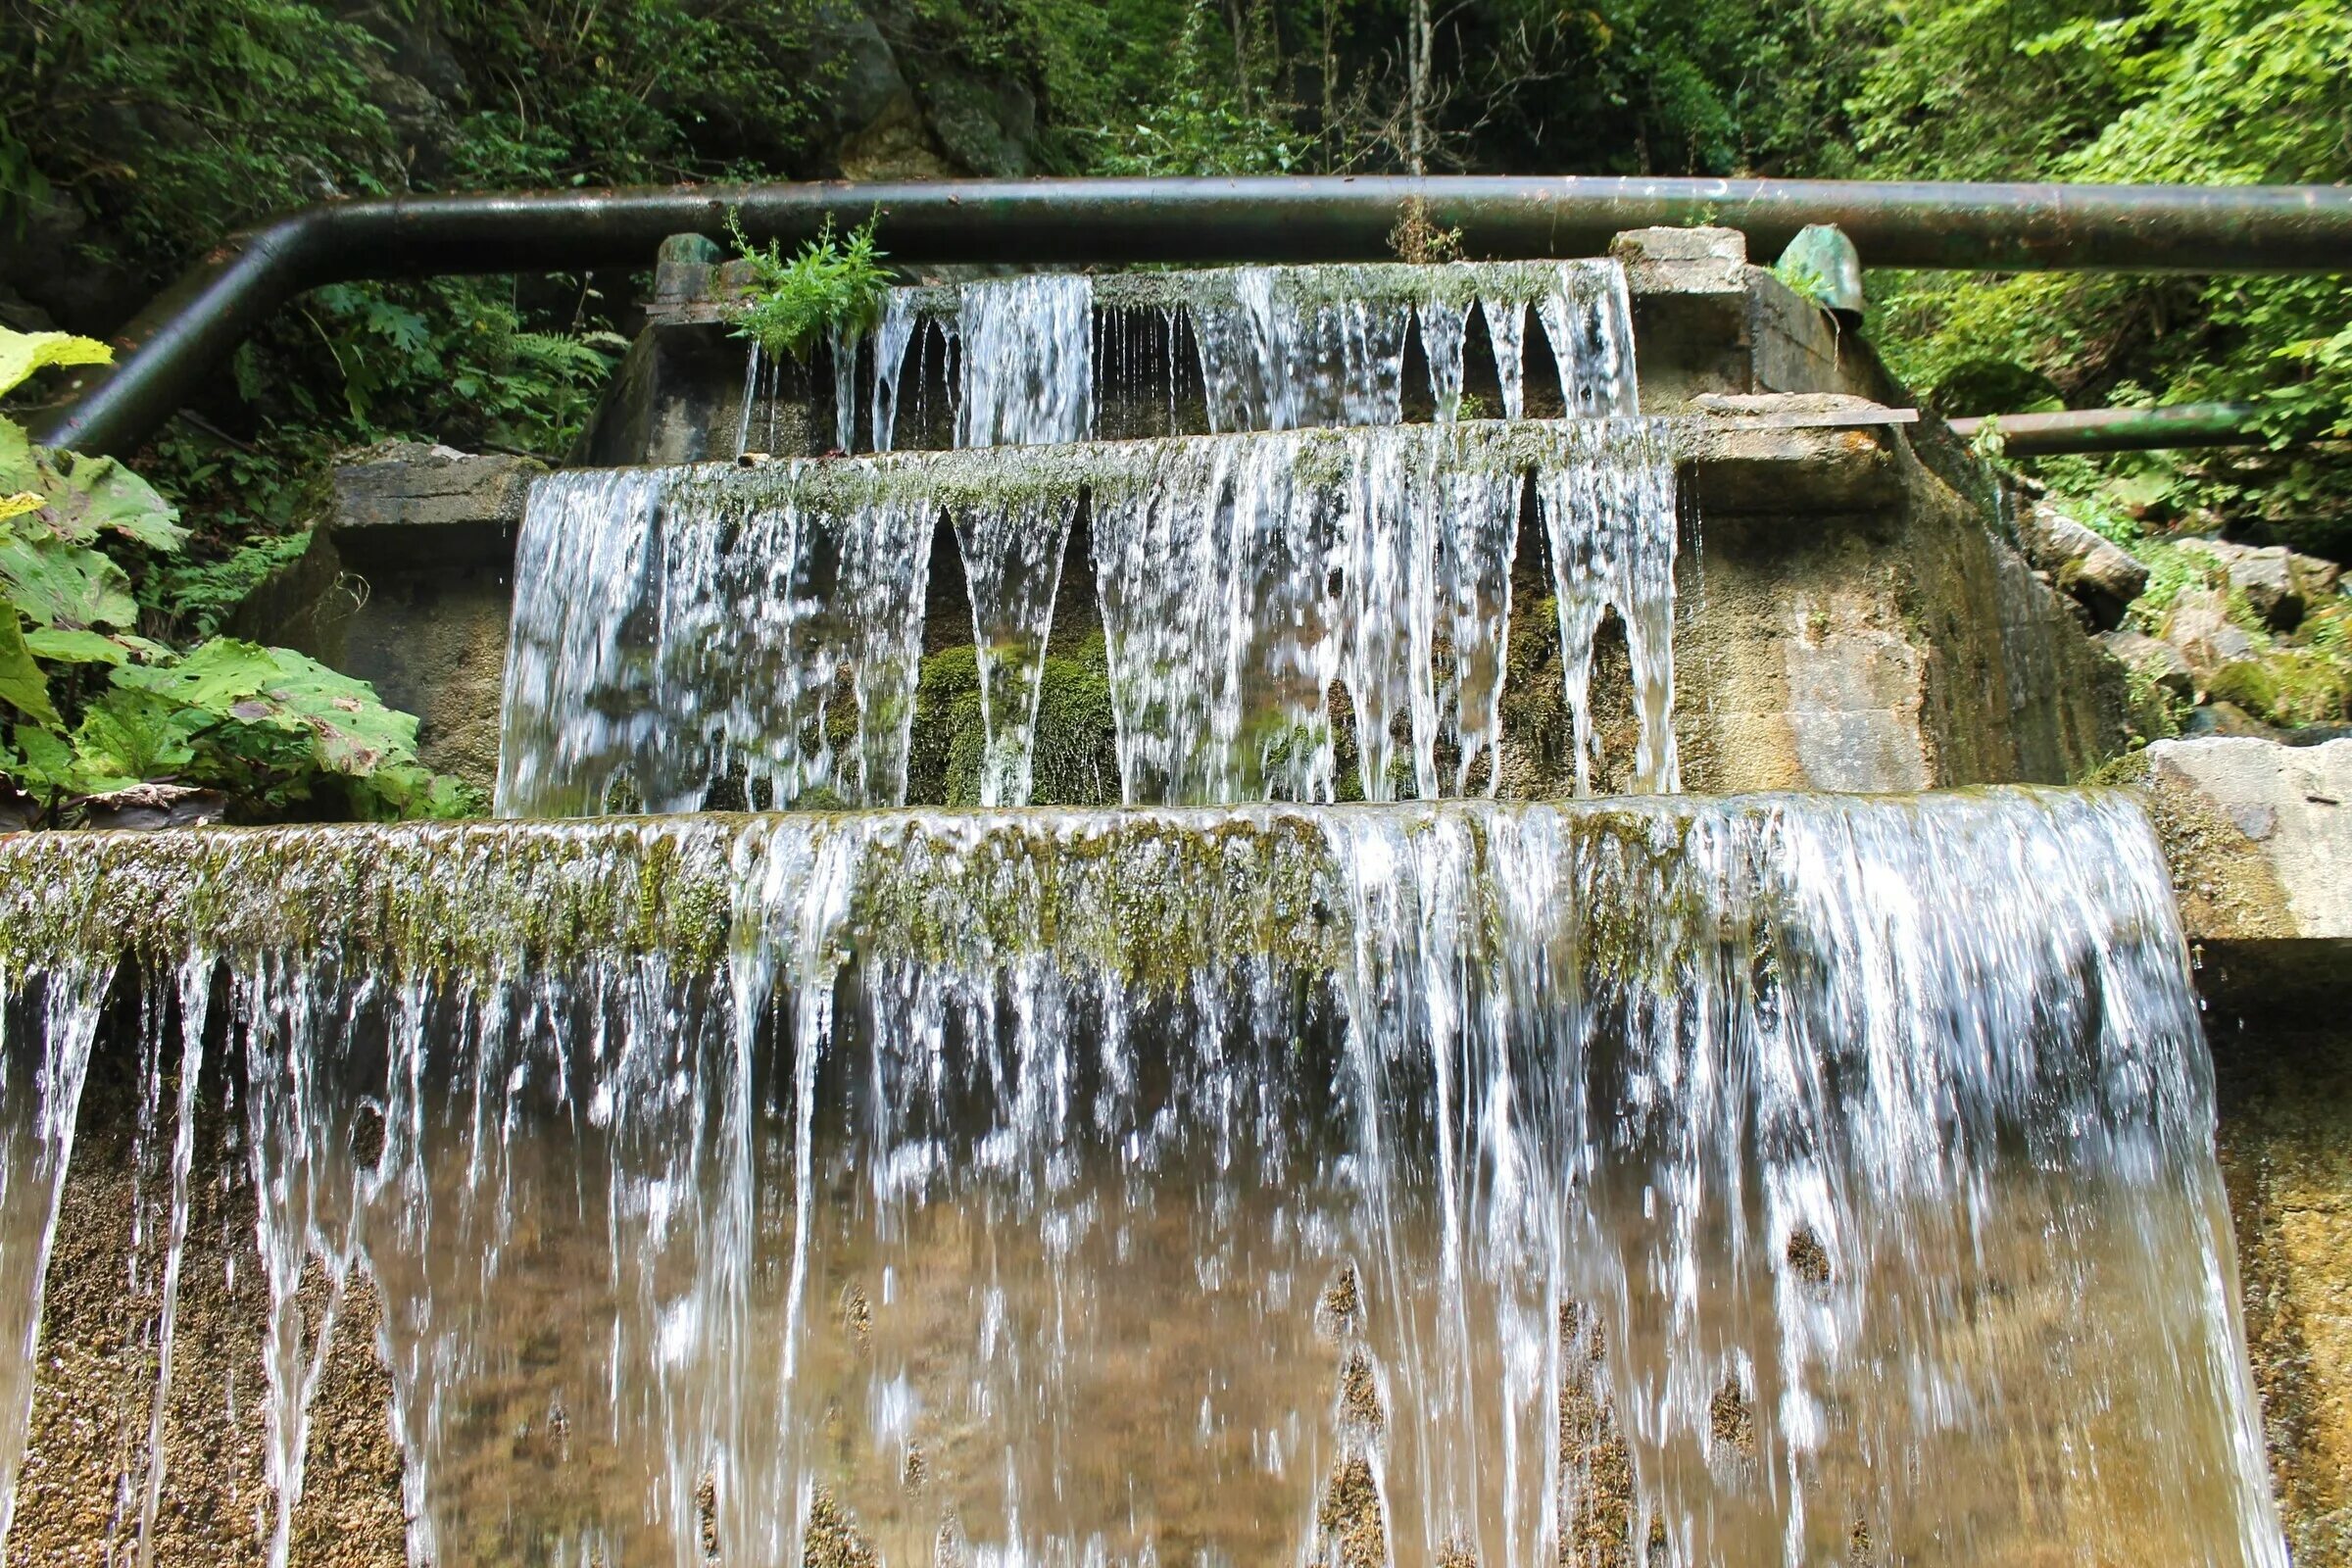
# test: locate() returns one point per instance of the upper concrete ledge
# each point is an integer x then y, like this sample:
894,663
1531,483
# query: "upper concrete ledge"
408,501
1660,260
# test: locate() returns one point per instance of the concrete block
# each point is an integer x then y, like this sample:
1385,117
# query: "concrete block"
2259,836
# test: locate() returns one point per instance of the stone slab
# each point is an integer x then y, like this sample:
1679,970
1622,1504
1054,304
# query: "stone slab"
1799,470
411,501
2259,836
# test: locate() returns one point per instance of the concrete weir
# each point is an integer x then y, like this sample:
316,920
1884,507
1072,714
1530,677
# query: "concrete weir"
1851,612
1392,916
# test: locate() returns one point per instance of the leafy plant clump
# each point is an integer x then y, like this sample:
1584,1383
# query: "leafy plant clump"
92,708
834,289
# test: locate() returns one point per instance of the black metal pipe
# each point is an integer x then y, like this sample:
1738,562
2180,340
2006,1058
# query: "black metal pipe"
2075,431
177,341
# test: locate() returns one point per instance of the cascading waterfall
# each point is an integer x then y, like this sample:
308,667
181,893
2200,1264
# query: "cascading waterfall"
1611,530
1012,552
1280,348
672,629
1026,366
1273,359
672,625
1241,581
1673,1181
1294,579
1235,1178
1290,347
56,1015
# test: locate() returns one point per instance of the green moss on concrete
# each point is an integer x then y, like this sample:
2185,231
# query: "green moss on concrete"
1077,757
944,746
1075,745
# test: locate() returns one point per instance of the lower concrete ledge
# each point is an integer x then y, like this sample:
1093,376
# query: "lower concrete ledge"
413,506
2259,837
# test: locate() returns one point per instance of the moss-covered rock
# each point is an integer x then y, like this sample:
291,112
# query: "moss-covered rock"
2286,686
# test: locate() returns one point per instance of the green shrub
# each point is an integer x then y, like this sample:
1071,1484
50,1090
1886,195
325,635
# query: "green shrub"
98,708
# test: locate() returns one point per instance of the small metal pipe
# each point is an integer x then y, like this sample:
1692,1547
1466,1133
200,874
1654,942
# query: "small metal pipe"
2183,424
177,341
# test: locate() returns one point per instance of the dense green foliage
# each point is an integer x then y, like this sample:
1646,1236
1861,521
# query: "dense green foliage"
134,132
2199,91
158,125
95,709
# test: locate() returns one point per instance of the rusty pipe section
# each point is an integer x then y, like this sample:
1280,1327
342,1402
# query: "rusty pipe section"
191,327
2180,425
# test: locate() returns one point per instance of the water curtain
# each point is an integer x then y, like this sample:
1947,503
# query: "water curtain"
1677,1180
1276,348
676,627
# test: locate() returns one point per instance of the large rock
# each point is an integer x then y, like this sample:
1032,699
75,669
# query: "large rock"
2200,628
2222,717
2291,686
2097,573
2279,585
2157,662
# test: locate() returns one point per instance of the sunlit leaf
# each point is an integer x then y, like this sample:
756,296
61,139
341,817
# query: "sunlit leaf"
76,647
23,353
21,684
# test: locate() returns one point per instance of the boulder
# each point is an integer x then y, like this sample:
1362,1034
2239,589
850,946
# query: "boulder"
2279,585
2159,661
2290,686
2226,720
2200,628
2094,571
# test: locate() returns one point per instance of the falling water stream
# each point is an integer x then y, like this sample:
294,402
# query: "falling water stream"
1278,347
1347,1185
672,625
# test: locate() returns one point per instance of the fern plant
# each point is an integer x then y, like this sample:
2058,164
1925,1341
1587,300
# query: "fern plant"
834,287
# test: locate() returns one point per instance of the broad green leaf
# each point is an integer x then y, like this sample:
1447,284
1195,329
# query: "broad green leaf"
22,683
350,730
48,761
130,736
23,353
61,584
76,647
215,677
17,467
84,495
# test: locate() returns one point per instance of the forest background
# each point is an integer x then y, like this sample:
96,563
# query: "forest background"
134,134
